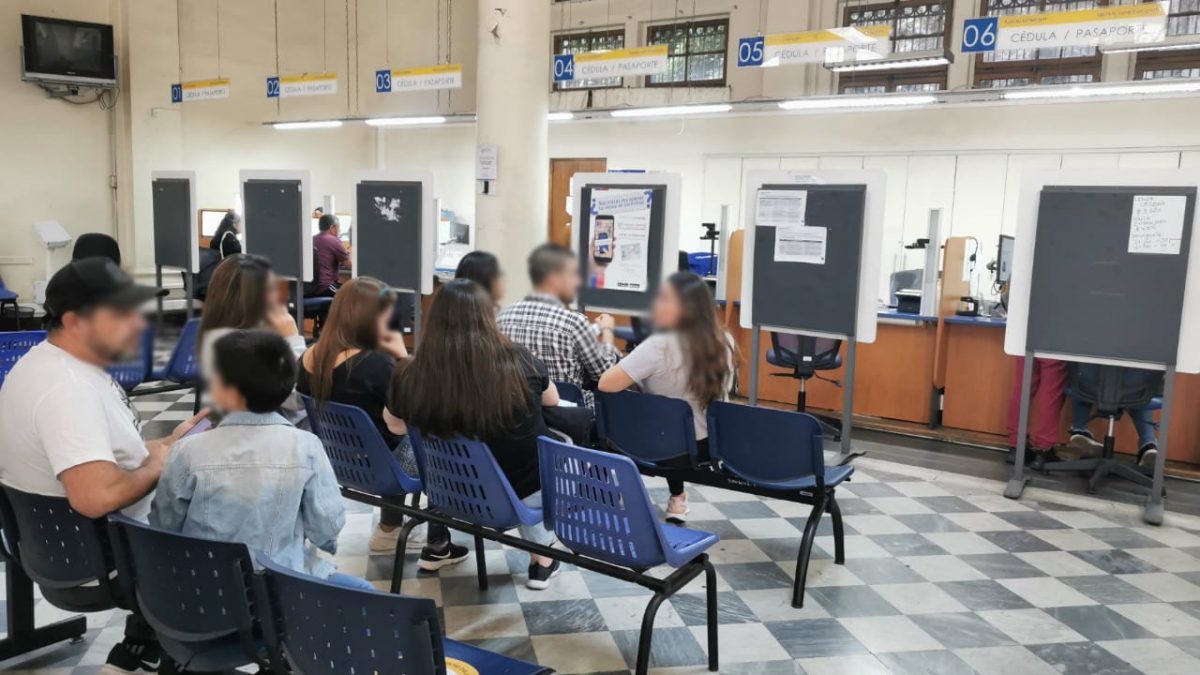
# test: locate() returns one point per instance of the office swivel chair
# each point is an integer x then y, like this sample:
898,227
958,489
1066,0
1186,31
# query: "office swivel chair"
1112,390
805,356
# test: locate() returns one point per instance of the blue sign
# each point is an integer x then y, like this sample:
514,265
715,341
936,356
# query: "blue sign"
383,81
272,87
750,51
177,93
564,67
979,35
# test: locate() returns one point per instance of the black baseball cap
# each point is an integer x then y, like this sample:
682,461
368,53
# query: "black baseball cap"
93,282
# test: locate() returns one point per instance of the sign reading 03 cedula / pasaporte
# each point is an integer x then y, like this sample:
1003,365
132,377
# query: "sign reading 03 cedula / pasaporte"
1144,23
423,78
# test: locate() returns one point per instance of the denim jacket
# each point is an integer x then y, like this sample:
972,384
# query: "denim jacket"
258,480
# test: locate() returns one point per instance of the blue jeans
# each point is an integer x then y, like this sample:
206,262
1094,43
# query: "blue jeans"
538,533
350,581
1142,418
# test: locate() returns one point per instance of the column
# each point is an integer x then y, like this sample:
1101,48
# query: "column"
512,98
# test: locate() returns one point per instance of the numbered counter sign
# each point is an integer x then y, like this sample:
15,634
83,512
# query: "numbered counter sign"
272,87
750,51
979,35
564,67
383,81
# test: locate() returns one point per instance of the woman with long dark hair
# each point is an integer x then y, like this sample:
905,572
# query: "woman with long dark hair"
484,269
468,379
225,240
352,363
689,356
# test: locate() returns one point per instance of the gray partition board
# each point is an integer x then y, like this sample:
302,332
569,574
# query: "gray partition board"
388,232
276,220
806,297
619,300
175,238
1089,295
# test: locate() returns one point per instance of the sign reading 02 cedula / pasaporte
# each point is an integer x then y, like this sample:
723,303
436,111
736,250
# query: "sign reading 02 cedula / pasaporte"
305,84
1144,23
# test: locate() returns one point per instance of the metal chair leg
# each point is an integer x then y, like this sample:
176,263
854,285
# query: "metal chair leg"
647,634
802,556
401,547
481,564
710,582
839,532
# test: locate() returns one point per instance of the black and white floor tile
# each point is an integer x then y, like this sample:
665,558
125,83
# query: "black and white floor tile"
943,575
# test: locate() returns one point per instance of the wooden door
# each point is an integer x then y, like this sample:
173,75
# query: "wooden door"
561,170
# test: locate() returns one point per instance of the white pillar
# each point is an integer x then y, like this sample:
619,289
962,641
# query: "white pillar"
512,98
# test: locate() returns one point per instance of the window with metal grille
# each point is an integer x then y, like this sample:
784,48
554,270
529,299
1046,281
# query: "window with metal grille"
591,41
917,26
1023,67
695,53
1183,21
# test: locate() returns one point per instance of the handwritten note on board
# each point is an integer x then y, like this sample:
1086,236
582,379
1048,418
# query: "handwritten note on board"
1156,224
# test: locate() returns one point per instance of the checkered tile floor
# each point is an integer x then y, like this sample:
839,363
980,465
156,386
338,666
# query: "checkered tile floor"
943,575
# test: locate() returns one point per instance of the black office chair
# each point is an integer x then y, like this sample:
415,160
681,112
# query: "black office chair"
804,356
1112,390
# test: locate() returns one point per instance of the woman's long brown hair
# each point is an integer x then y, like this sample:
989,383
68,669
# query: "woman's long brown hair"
705,345
237,295
352,324
467,378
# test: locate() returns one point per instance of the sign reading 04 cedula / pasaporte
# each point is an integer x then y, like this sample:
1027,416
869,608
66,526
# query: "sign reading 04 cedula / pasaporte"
424,78
648,60
816,46
1144,23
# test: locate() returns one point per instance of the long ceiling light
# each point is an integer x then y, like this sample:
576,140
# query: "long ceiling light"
560,116
674,110
318,124
833,103
1155,47
897,62
405,121
1130,89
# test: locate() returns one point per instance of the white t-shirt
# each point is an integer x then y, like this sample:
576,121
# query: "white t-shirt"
58,412
659,366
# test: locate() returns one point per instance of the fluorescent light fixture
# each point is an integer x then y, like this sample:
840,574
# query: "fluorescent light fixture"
674,110
560,116
842,102
1156,47
889,64
1130,89
318,124
405,121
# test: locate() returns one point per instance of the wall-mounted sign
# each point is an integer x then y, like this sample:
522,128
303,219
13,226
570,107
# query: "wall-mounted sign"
200,90
1125,24
306,84
487,163
817,46
446,76
612,63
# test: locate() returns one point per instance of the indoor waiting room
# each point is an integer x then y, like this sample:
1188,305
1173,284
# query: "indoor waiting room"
518,337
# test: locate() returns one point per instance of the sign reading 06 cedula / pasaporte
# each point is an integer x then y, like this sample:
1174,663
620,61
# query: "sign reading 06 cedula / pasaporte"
1144,23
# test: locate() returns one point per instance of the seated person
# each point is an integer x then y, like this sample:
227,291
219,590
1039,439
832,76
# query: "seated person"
573,349
484,269
70,430
329,255
468,380
1082,440
689,356
352,363
255,479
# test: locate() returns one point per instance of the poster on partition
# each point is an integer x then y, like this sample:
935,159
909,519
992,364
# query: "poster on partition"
620,239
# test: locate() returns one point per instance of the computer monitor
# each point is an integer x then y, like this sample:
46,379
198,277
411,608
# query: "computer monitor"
210,220
1004,259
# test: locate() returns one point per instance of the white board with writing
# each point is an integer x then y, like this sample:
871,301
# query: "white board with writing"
1156,224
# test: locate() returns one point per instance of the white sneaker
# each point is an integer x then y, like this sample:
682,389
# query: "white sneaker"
677,515
1085,445
383,541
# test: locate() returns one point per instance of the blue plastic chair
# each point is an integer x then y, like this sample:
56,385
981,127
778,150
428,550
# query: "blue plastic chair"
648,429
14,345
133,372
360,457
569,391
182,367
197,594
780,450
7,296
318,628
596,504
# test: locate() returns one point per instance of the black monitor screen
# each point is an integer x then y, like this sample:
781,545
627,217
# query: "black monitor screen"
70,49
1004,259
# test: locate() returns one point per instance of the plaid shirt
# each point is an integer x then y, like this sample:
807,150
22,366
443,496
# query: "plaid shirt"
561,338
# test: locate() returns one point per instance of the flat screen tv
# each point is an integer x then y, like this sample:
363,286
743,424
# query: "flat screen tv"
68,52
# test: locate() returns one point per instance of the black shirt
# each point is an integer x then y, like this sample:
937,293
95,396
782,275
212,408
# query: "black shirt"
225,242
361,381
516,451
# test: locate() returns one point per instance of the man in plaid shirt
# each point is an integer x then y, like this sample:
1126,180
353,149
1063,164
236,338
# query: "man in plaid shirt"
573,349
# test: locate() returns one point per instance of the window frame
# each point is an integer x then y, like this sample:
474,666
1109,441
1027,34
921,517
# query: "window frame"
687,25
1037,68
890,79
556,46
1170,60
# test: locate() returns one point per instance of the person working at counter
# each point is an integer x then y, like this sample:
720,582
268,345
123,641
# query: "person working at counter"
330,254
1047,390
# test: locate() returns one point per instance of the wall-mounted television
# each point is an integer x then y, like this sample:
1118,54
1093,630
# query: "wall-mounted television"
68,52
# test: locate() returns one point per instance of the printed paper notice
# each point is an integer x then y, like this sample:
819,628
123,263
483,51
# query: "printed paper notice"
781,208
801,244
620,239
1156,225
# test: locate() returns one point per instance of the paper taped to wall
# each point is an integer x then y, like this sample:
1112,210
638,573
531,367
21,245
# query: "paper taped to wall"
802,244
781,208
1156,224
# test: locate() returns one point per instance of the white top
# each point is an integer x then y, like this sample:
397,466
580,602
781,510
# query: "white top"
659,366
58,412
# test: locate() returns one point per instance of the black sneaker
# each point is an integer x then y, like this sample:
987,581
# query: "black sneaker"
432,561
540,575
1147,455
1011,457
132,656
1043,457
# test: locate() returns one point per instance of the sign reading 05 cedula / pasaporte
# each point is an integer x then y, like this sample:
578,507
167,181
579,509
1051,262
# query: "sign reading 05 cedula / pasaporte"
817,46
1144,23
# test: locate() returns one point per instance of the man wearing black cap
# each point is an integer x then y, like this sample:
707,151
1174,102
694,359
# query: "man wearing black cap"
69,428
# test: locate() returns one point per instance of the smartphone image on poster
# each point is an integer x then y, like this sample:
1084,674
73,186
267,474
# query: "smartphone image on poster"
603,253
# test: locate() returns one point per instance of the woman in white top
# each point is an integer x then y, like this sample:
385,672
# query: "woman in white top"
689,356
